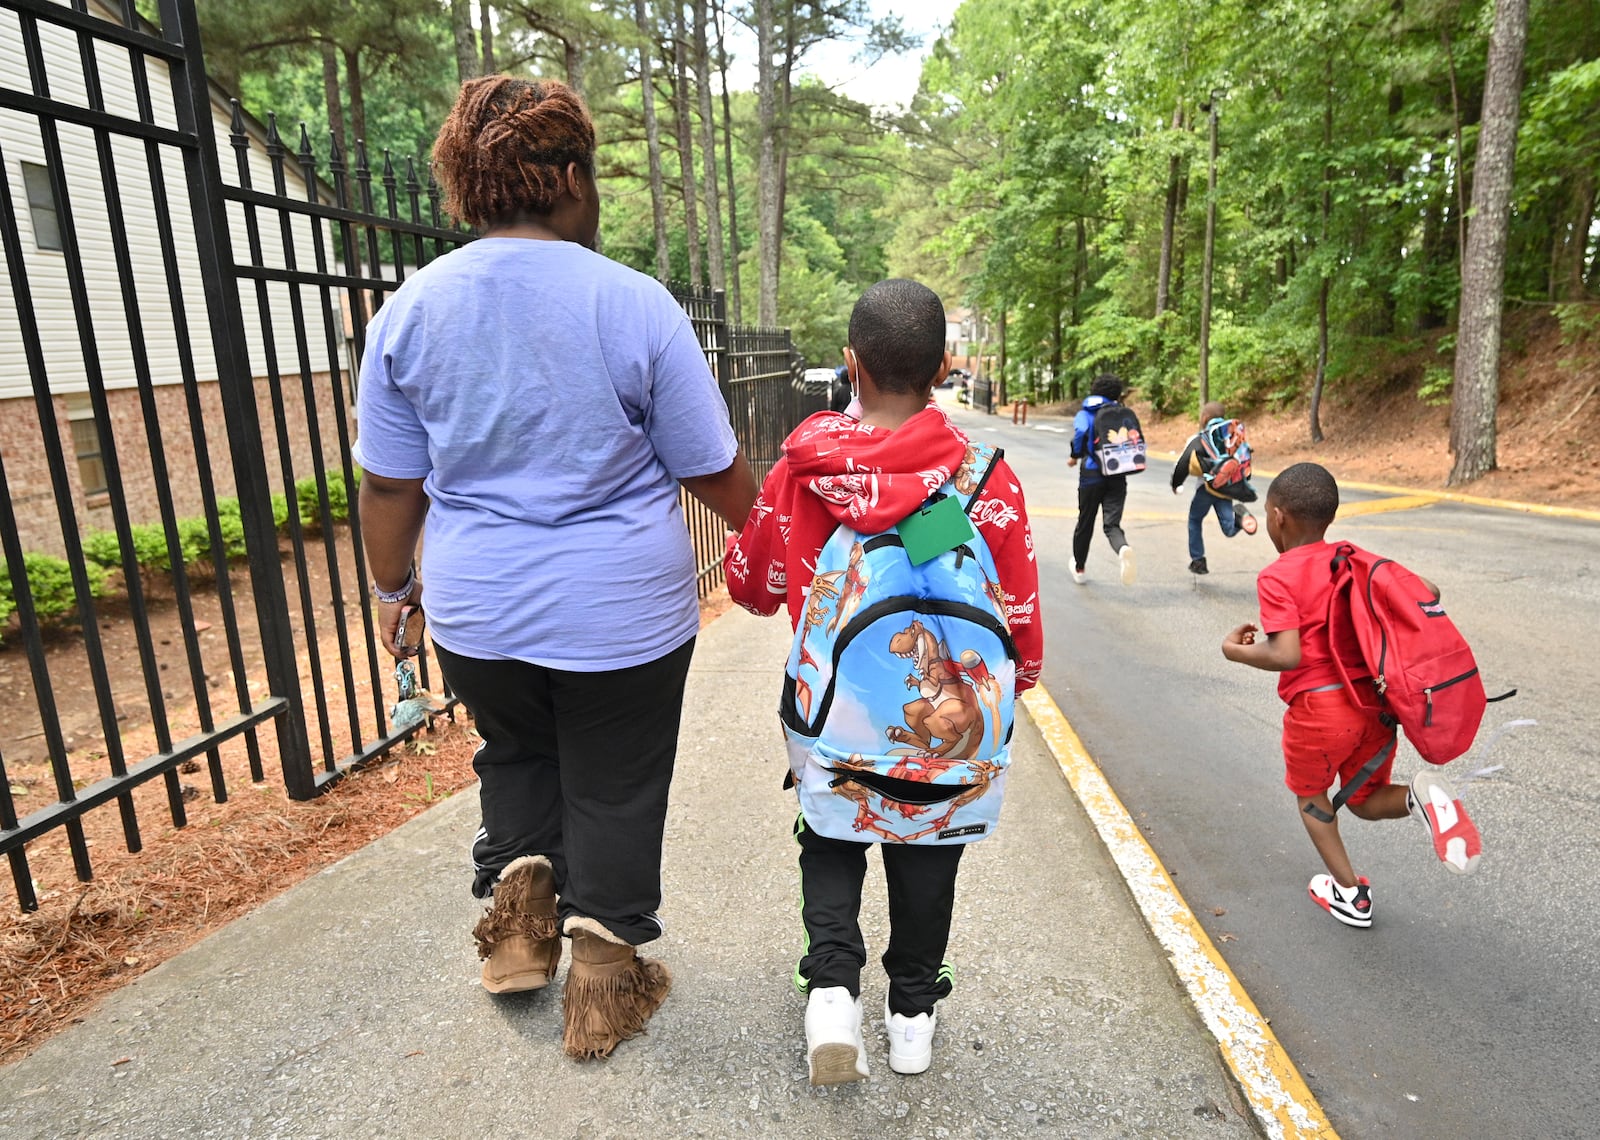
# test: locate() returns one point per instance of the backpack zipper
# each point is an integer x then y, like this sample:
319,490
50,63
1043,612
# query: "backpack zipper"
1427,719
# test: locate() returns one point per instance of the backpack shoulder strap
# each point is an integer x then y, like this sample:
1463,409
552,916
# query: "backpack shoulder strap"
973,475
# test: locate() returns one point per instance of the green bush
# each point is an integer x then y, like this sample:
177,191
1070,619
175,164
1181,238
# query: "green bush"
280,511
102,548
150,548
50,582
305,493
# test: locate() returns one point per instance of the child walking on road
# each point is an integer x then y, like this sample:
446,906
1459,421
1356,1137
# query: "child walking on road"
1097,491
839,475
1232,516
1326,734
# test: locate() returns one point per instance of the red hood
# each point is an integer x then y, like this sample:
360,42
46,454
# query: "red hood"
871,478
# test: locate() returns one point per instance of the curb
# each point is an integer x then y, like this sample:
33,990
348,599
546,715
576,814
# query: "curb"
1284,1106
1442,496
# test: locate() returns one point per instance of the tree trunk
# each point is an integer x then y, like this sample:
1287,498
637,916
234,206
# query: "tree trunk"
1477,375
652,137
358,101
1322,360
785,96
680,108
1325,287
727,159
1206,262
1395,252
1179,240
1056,331
330,90
466,44
1002,394
572,57
1169,219
708,149
1572,242
486,35
1460,153
769,218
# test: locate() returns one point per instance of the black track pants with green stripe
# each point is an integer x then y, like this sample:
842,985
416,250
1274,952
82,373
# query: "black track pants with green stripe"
922,896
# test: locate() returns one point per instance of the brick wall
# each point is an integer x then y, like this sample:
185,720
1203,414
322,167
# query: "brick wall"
28,474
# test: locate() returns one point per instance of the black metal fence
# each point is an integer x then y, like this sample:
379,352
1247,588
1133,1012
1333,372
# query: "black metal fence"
176,489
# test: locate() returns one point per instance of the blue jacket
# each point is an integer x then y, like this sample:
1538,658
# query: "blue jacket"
1083,441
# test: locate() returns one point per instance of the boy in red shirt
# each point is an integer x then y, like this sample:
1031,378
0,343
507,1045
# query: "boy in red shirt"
871,473
1325,733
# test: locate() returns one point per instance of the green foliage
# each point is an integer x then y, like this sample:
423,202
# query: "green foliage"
50,583
1579,322
1436,385
309,503
102,548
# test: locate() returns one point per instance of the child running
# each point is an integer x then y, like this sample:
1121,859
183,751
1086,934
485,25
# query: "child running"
1232,516
870,475
1326,734
1098,492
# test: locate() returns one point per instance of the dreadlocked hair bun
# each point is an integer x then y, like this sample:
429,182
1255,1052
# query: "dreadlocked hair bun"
506,145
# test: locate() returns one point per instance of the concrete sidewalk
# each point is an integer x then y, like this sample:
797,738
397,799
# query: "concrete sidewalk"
349,1006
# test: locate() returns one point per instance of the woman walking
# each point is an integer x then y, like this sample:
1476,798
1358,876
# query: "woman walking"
540,406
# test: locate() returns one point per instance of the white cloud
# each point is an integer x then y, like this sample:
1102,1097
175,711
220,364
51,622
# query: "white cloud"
886,84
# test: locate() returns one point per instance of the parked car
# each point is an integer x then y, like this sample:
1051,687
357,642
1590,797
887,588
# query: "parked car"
817,381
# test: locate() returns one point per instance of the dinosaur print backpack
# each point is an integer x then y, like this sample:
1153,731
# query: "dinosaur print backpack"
898,695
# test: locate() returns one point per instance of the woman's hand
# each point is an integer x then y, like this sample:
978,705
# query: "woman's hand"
389,630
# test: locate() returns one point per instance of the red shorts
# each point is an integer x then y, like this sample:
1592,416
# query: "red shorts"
1325,735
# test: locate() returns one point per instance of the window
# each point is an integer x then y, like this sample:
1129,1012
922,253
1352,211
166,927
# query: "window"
86,444
42,206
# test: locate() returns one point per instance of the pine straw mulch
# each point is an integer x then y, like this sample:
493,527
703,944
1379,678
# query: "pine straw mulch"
88,939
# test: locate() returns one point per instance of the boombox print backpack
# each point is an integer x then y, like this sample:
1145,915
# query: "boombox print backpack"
898,696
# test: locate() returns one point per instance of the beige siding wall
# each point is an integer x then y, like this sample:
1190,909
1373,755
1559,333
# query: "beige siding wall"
106,336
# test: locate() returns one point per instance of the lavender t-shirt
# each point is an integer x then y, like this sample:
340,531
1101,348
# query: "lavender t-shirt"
551,399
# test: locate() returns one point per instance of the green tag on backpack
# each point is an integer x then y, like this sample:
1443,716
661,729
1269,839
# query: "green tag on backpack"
934,529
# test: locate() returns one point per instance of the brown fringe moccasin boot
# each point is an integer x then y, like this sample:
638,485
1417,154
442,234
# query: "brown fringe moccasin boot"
610,992
517,935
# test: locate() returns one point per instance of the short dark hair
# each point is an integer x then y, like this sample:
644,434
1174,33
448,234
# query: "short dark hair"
1307,491
1107,386
897,332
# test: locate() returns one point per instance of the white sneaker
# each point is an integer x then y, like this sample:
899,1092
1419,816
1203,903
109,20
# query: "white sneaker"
1079,576
834,1046
910,1040
1130,571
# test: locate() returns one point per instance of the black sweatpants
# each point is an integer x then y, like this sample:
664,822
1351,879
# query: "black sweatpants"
922,897
1108,497
575,767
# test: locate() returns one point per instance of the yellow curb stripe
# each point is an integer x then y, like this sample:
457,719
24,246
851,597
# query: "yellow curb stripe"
1283,1104
1439,496
1384,506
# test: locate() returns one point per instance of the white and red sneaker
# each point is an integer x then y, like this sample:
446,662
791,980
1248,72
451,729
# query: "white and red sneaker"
1350,905
1455,836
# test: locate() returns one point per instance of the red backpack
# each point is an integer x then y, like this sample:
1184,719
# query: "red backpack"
1423,675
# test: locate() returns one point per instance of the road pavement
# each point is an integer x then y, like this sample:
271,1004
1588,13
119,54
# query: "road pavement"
349,1006
1471,1006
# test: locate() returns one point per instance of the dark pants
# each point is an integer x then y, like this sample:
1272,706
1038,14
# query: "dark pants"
1107,497
575,767
922,896
1203,503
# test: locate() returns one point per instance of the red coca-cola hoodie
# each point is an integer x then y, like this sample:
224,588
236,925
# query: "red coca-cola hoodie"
837,470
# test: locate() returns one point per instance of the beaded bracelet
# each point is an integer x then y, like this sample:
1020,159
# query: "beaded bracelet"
390,597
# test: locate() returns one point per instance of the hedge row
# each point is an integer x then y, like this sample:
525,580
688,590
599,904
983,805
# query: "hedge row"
50,578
